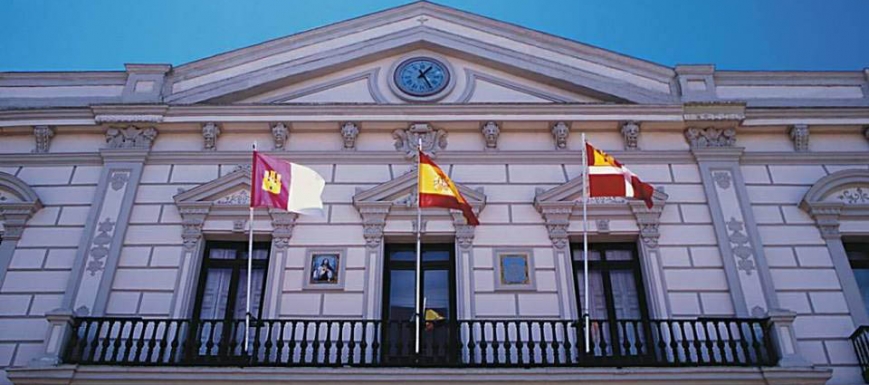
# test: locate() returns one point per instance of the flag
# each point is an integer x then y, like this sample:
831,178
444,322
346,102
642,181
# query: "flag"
609,178
437,190
284,185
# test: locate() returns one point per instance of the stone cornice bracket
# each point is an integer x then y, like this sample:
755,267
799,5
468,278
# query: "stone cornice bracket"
349,133
712,125
631,133
464,232
280,134
43,135
282,227
433,140
557,218
210,132
826,215
648,220
491,132
18,203
131,138
192,218
560,132
799,134
373,221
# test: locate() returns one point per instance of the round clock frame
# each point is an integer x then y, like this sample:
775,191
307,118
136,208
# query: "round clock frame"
436,92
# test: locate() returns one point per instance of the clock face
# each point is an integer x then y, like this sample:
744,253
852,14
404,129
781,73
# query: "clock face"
421,76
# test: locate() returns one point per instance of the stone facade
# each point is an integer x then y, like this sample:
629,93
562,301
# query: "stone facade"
118,216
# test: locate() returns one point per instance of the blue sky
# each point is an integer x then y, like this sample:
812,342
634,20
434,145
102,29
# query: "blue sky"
50,35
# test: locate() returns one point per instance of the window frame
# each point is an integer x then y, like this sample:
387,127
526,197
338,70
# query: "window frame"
238,266
605,267
389,265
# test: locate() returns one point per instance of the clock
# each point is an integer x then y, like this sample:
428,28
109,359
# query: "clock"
421,77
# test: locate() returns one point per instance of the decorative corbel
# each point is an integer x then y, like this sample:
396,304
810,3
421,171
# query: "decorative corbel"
131,137
192,219
43,135
560,132
373,222
631,133
799,134
710,137
280,133
491,132
282,228
349,133
464,232
210,132
407,140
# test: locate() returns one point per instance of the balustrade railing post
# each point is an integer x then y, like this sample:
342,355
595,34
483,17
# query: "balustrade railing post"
784,340
59,331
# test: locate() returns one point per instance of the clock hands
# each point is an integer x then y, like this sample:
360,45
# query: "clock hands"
425,78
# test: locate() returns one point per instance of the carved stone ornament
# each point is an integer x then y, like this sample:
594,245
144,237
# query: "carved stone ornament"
131,137
407,140
349,133
280,133
192,220
119,179
853,196
740,246
602,225
43,135
649,233
799,134
711,137
100,248
560,132
491,132
282,229
631,133
240,197
239,225
722,179
558,234
210,132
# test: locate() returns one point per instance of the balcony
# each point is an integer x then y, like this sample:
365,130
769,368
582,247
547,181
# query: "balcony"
860,340
702,342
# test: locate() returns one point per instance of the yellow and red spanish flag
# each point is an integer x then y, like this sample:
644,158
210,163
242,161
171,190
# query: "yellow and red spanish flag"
284,185
437,190
609,178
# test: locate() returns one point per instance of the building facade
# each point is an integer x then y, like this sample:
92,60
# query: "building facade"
123,198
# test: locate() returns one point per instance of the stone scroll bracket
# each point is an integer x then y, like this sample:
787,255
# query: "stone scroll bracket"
739,243
841,196
100,246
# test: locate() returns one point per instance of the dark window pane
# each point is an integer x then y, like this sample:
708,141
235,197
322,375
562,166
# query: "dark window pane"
402,256
221,254
401,293
437,292
862,276
215,294
435,255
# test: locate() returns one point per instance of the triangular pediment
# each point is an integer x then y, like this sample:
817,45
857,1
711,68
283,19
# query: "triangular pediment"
398,196
342,52
567,198
230,190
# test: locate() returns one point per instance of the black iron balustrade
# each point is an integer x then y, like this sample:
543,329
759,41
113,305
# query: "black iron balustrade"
471,343
860,340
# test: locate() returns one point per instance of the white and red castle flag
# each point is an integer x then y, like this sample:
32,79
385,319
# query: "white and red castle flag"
284,185
609,178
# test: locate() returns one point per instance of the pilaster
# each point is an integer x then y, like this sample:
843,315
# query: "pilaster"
100,246
739,242
282,231
781,329
373,221
192,220
464,270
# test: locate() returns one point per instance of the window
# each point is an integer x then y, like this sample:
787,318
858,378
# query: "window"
858,256
615,281
223,281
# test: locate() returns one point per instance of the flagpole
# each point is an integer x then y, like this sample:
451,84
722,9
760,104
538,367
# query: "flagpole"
585,186
418,248
249,267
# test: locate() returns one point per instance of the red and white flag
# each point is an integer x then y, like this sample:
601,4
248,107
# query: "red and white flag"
609,178
284,185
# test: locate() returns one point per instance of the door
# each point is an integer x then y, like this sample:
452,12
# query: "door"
220,309
437,335
617,303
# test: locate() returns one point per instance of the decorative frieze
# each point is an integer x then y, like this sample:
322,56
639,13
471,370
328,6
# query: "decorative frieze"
349,133
631,133
799,134
711,137
240,197
853,196
491,132
740,245
43,135
407,140
560,132
280,134
131,137
100,249
210,132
